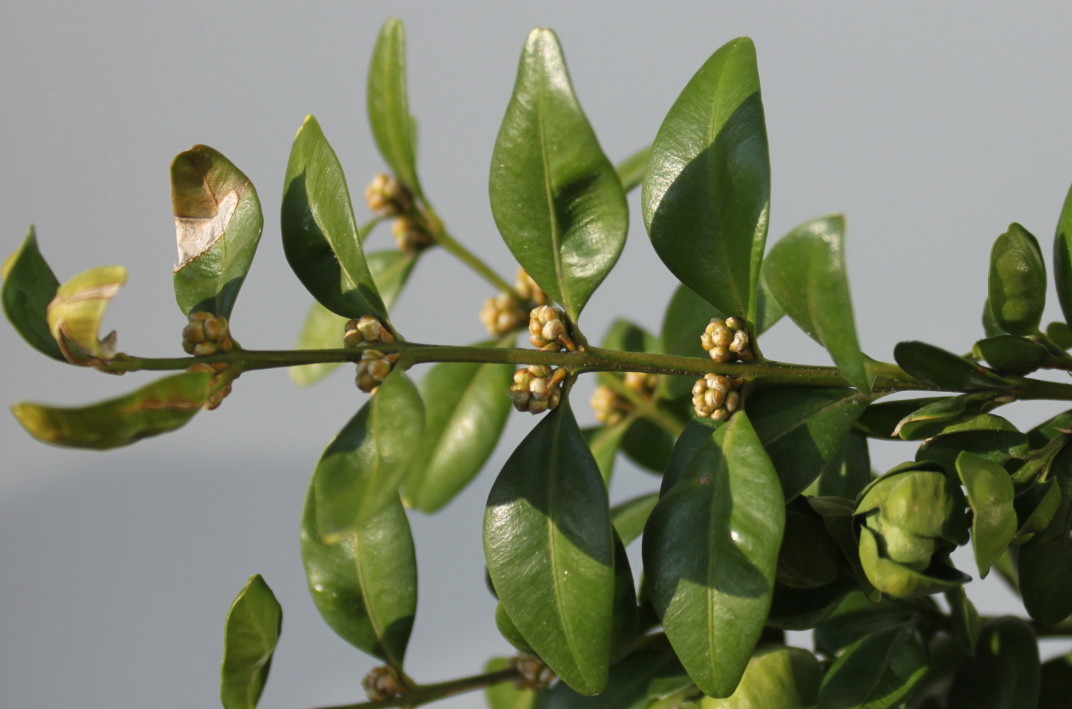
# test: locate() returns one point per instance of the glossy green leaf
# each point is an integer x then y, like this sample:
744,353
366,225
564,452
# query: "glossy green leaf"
706,195
157,408
804,608
808,556
803,428
776,678
941,414
506,695
393,128
631,170
710,550
604,442
359,472
876,672
942,368
647,444
76,311
1061,334
365,583
1044,564
29,286
694,437
625,618
629,686
629,517
555,196
848,472
549,547
249,640
806,272
1055,681
509,631
320,236
1009,354
880,420
1005,670
1017,283
901,581
995,444
989,490
1062,257
218,224
837,514
465,412
966,622
686,316
857,618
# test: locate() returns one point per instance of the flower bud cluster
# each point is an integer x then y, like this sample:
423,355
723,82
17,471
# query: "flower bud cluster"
373,368
503,314
536,388
642,383
206,334
548,330
528,288
727,340
387,197
609,408
383,683
716,396
410,235
216,397
534,672
366,330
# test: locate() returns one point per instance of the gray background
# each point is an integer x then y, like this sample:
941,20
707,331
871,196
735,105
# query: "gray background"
932,127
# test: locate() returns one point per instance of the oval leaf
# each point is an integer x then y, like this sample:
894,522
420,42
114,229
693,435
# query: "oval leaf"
555,196
1005,670
393,128
465,412
75,313
875,672
249,640
218,224
806,272
549,547
364,584
989,490
320,236
1062,257
162,406
942,368
1044,564
710,551
507,695
629,517
782,677
359,472
29,286
1012,355
1017,283
631,681
706,195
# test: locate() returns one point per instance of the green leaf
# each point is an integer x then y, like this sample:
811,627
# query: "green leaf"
393,128
838,517
880,420
1060,333
549,547
706,195
966,622
629,517
1005,670
777,677
76,311
604,442
365,583
808,556
631,170
943,369
806,272
320,236
647,444
857,618
29,286
710,550
218,224
359,472
989,490
509,631
1017,282
694,437
848,472
942,414
555,196
249,640
1062,257
803,429
157,408
1055,682
506,695
998,444
465,411
902,581
629,687
804,608
1009,354
1045,563
876,672
770,310
625,618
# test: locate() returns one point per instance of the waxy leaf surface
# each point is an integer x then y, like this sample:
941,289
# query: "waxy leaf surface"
1005,670
710,550
320,236
782,677
76,311
631,681
1044,564
29,286
1017,283
157,408
393,127
549,547
876,672
365,583
942,368
249,640
555,196
218,224
990,494
806,272
359,472
1062,257
506,695
706,195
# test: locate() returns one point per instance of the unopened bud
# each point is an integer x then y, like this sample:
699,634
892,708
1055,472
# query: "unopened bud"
410,236
383,683
536,388
716,396
366,330
608,406
548,330
502,315
727,340
387,196
372,369
528,288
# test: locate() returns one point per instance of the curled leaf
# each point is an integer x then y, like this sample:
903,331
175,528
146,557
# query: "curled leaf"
75,313
29,286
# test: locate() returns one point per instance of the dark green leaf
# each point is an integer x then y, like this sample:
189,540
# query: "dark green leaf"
625,619
686,316
359,472
1055,681
804,608
629,517
803,428
365,583
320,236
1060,333
880,420
876,672
942,414
782,677
157,408
465,408
29,286
556,199
1017,283
806,272
770,310
1045,563
1062,257
808,556
848,472
628,688
549,547
857,618
604,442
1005,670
989,490
966,623
1036,506
648,445
995,444
393,127
942,368
837,514
218,224
75,313
249,640
710,550
706,196
506,695
695,436
631,170
1009,354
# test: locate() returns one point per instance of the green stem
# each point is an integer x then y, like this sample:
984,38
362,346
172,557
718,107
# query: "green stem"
424,694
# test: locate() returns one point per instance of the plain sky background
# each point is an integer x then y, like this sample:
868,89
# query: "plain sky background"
932,126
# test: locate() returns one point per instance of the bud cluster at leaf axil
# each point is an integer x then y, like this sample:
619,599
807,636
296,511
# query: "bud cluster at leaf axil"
716,396
537,388
611,408
374,366
366,330
503,314
548,330
388,197
727,340
206,334
383,683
